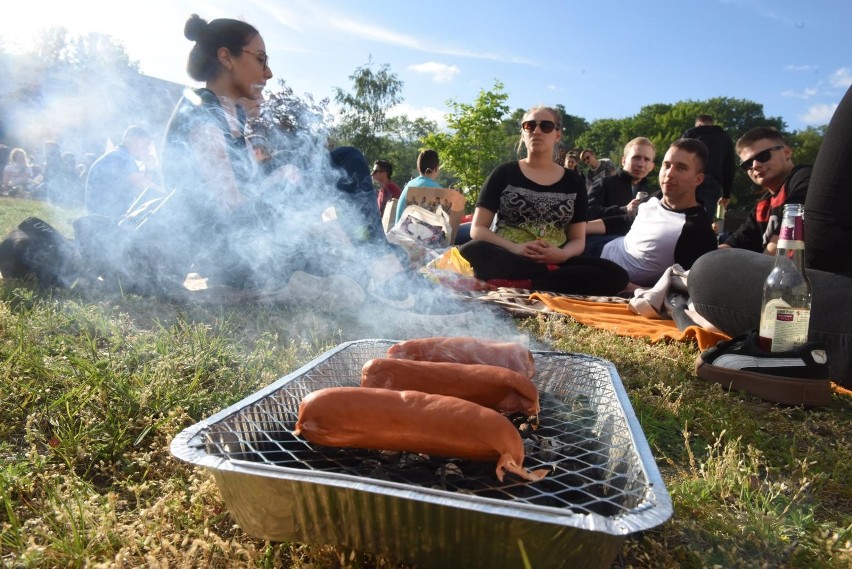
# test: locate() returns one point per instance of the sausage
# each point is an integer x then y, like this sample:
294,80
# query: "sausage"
466,350
495,387
412,421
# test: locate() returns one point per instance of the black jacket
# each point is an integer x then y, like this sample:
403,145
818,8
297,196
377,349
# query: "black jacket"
609,196
721,164
764,221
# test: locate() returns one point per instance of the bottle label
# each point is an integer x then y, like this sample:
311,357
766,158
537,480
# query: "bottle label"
792,233
789,328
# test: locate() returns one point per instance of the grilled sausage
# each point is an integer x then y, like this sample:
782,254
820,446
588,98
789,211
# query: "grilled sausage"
466,350
412,421
496,387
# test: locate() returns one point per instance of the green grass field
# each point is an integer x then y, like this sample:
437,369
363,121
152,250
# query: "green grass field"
94,387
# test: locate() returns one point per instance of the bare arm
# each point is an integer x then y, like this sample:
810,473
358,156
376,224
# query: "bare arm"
481,229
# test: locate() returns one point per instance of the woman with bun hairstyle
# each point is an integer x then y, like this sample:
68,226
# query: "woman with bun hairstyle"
539,235
221,220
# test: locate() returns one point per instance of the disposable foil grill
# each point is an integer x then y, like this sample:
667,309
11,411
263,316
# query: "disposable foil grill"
601,477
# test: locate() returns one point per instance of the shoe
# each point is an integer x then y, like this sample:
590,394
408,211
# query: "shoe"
794,377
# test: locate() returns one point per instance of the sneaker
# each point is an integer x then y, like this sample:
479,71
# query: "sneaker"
794,377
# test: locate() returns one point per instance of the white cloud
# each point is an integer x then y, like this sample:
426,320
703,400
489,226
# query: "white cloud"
806,94
440,72
802,67
842,77
430,113
819,114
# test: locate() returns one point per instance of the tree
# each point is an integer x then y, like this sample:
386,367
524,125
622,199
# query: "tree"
476,144
403,137
806,143
364,111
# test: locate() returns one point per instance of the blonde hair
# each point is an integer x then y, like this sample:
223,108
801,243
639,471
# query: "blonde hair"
557,118
638,141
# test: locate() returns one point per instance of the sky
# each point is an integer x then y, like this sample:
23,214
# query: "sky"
599,59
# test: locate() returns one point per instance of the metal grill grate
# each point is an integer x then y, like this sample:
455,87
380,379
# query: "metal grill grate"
583,436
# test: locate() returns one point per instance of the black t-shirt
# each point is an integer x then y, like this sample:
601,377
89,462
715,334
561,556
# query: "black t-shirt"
527,211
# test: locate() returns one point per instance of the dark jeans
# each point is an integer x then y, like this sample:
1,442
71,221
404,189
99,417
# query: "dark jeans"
578,275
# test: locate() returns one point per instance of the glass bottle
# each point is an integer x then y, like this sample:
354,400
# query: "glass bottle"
786,307
719,219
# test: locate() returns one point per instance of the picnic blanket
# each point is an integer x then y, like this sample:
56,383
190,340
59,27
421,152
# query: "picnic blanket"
618,318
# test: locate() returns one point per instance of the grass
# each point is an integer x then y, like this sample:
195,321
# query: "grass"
94,388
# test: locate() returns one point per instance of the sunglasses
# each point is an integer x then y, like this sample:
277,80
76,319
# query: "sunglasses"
545,126
760,157
262,58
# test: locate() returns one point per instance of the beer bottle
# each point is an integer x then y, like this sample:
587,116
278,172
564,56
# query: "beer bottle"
786,308
719,219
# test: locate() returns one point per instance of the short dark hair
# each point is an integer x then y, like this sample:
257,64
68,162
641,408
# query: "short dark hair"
759,133
696,147
427,162
385,166
704,119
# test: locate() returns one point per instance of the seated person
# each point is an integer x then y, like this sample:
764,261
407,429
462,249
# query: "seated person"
218,220
17,174
429,166
616,195
666,231
734,307
115,180
596,168
388,190
541,226
769,163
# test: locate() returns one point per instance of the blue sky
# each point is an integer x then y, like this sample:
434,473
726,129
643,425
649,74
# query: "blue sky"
600,59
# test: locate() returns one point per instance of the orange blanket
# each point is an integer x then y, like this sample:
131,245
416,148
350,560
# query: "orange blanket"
619,319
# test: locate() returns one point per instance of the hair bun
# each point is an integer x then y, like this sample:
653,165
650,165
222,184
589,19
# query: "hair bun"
195,28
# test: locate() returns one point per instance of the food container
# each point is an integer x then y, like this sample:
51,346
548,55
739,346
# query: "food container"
438,512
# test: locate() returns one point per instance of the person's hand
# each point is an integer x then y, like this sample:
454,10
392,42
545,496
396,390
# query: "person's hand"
633,207
543,252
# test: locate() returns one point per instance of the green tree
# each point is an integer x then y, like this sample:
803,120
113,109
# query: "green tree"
99,54
364,110
476,143
806,143
403,137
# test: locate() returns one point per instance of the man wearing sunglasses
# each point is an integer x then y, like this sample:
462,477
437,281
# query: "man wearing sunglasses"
597,169
768,161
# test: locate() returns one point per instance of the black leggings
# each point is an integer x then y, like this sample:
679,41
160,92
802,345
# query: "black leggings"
578,275
726,286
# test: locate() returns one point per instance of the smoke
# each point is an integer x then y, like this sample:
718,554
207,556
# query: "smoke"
314,214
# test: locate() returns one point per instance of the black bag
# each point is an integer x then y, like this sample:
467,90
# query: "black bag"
37,249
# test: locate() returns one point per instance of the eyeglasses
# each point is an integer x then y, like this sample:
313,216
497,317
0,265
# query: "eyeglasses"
545,126
262,58
761,157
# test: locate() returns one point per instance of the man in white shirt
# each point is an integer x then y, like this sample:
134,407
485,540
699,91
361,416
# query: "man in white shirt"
666,231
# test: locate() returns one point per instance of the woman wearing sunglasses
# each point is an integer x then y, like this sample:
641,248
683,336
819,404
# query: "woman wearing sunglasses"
540,229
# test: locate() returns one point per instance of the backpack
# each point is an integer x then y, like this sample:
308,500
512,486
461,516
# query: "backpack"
36,249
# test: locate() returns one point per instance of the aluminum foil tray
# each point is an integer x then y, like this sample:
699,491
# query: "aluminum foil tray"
435,512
